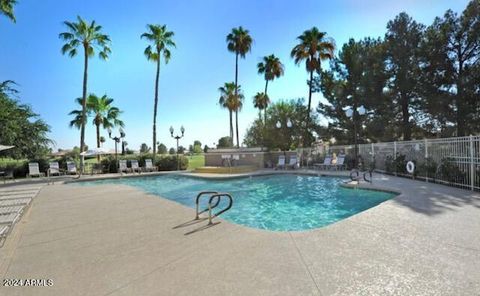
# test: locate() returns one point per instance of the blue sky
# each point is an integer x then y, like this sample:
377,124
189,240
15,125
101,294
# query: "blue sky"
49,82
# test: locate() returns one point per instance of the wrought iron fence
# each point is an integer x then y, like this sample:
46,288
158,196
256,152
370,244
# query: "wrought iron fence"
452,161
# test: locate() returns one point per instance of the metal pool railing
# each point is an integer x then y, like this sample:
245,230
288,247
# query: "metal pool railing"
451,161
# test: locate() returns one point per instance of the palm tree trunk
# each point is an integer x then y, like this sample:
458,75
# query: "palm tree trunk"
236,125
307,123
155,104
84,107
266,86
231,126
236,94
98,140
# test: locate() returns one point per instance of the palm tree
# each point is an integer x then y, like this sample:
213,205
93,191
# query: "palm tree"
271,68
160,40
104,114
238,42
227,92
90,38
6,8
313,48
261,101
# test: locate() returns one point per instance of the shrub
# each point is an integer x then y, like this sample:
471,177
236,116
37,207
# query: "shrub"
450,172
427,168
169,163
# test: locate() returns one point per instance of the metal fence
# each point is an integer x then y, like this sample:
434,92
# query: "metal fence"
452,161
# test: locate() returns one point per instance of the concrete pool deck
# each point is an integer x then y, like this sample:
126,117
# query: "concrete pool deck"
117,240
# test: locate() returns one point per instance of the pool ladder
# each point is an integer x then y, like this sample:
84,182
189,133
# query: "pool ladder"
212,204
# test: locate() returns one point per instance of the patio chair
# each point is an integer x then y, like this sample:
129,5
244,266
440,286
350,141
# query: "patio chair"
281,162
53,169
33,170
134,166
71,168
326,163
226,160
149,166
8,174
339,164
293,162
122,166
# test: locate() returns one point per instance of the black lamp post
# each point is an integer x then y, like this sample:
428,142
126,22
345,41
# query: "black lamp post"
177,137
116,139
354,113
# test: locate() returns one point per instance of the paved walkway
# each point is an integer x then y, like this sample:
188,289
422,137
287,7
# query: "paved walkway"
116,240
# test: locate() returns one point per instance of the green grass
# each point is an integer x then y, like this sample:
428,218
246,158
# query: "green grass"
196,161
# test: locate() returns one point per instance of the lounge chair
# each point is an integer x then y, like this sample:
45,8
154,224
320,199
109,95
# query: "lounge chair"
149,166
326,163
7,175
71,168
281,162
339,164
53,169
293,162
33,170
122,166
9,218
134,166
226,160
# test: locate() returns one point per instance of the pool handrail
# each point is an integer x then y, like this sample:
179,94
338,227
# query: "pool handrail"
197,201
218,196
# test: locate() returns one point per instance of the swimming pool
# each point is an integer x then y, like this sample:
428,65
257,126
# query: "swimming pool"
285,202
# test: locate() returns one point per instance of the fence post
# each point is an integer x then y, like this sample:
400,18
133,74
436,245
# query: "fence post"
395,154
426,157
472,166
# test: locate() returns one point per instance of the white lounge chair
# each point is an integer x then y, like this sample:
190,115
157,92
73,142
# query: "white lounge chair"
15,202
9,218
122,166
71,168
281,162
339,164
33,170
54,169
149,166
293,162
326,163
134,166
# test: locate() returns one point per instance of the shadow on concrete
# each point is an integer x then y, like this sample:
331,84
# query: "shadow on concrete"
201,228
430,198
189,223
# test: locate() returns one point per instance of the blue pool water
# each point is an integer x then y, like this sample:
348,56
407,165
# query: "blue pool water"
276,202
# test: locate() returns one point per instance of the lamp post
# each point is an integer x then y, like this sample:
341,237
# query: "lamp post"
289,124
353,112
177,137
117,140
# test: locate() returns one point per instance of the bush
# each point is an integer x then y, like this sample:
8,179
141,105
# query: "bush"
169,163
450,172
427,168
396,165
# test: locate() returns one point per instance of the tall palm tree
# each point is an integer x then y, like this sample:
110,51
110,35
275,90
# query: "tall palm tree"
238,42
161,42
227,93
90,38
313,48
6,8
271,68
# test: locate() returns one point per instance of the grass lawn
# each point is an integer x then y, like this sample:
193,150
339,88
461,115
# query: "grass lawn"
196,161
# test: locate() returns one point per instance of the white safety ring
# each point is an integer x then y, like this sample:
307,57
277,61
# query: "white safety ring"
410,167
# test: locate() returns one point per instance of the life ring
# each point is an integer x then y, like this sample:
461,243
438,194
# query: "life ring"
410,167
